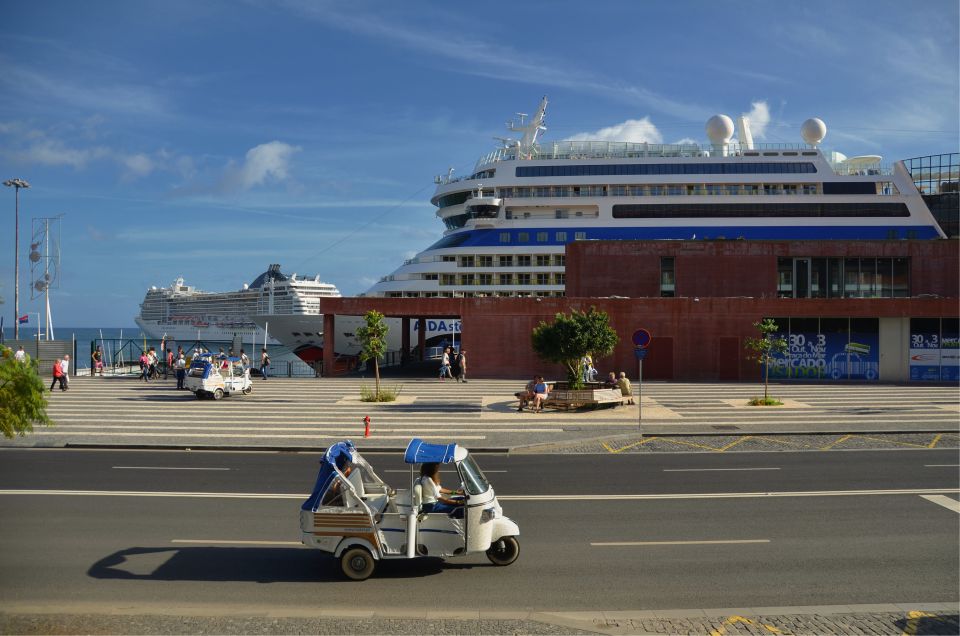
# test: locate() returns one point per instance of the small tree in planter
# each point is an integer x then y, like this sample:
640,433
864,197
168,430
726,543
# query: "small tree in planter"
22,403
570,337
373,342
762,350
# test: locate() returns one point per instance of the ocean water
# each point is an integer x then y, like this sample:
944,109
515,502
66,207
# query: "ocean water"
130,339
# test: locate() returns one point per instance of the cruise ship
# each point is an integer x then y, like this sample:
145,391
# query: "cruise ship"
508,222
183,312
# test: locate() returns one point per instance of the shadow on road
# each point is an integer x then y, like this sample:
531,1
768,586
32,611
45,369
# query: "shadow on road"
259,565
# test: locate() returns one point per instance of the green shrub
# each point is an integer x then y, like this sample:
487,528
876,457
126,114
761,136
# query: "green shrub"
387,394
765,401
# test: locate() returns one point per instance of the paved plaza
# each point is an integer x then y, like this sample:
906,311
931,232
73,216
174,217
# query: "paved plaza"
308,414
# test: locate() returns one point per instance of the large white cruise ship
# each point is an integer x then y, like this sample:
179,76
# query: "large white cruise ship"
182,312
508,222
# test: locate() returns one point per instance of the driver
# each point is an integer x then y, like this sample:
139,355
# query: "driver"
432,493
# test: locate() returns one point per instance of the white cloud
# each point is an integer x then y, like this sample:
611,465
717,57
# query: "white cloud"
632,130
269,160
685,141
138,165
759,117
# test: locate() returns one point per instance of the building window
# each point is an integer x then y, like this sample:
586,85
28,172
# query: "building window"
523,260
785,278
667,278
543,260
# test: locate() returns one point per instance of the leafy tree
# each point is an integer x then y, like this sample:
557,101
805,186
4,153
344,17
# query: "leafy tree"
763,349
373,340
570,337
22,402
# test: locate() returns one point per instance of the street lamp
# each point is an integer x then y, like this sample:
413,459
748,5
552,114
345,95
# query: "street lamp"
16,183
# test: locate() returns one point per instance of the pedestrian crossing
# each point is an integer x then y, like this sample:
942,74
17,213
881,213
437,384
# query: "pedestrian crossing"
311,413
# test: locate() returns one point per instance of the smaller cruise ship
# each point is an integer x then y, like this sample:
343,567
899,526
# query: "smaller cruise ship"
183,312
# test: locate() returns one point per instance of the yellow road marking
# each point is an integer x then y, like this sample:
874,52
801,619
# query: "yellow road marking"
623,448
694,444
733,620
935,440
913,621
732,444
782,441
893,441
836,441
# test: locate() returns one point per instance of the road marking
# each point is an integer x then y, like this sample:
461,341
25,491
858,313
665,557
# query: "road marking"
699,470
941,465
233,542
935,440
942,500
634,543
269,436
164,468
603,497
839,440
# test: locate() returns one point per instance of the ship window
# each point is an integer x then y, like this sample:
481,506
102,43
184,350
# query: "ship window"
523,260
506,260
504,237
542,237
561,237
543,279
752,167
759,210
505,279
580,236
523,279
543,260
559,260
523,237
559,279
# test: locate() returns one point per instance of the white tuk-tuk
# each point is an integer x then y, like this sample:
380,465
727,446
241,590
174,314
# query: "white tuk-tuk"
215,376
355,516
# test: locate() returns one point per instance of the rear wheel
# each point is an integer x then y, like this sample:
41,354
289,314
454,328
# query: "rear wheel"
217,394
357,563
248,390
504,551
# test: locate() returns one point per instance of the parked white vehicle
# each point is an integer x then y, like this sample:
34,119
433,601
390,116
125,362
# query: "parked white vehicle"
212,376
355,516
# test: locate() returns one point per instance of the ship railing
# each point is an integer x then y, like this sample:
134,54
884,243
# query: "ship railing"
869,170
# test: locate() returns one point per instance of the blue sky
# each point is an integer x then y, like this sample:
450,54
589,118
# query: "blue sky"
209,139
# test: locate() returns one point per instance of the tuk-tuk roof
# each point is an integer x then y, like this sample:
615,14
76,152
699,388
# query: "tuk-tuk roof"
337,456
418,452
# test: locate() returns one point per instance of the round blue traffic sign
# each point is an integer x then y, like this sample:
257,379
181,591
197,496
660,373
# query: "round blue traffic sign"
642,338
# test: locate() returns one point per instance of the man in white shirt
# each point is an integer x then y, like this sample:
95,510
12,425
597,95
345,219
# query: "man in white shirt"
20,356
65,367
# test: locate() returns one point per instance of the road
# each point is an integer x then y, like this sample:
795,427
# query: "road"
219,529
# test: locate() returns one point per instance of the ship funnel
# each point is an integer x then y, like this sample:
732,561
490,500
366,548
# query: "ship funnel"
743,132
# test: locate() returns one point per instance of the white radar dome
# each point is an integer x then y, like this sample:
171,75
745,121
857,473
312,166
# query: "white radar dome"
719,129
813,131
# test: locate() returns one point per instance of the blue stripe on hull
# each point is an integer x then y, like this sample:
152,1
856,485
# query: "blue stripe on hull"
492,238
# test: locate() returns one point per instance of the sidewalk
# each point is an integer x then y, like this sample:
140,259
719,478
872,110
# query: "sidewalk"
909,618
309,414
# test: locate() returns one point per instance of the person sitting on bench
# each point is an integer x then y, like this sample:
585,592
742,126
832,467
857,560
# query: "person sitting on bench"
540,391
527,394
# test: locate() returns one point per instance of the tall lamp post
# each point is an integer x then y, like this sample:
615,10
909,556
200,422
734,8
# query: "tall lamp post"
16,183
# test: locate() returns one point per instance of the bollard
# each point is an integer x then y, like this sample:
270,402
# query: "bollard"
366,426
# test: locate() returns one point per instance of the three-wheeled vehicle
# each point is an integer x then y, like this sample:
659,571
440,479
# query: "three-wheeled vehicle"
355,516
215,376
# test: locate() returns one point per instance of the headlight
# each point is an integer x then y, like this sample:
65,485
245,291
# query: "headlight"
489,514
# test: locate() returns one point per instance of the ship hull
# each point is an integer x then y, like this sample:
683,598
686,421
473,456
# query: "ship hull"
155,330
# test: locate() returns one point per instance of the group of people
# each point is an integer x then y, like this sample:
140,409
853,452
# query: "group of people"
61,373
536,391
453,364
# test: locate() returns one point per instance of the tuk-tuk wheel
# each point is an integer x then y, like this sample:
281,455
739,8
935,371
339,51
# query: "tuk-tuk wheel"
248,390
357,563
217,394
504,551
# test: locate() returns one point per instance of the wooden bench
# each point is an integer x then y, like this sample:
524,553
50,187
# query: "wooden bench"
575,399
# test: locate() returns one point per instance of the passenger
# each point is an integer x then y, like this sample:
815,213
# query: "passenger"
540,391
432,499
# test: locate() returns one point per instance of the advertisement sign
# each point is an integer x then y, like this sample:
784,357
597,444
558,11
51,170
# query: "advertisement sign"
818,356
925,357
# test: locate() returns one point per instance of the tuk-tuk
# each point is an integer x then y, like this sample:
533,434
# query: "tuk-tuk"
211,376
355,516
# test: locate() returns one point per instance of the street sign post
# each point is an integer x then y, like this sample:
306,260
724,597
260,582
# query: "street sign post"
641,340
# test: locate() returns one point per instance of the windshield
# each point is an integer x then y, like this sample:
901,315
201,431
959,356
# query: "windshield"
472,477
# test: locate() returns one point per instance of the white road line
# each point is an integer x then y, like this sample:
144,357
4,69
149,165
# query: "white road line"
634,543
232,542
946,502
164,468
605,497
246,436
941,465
698,470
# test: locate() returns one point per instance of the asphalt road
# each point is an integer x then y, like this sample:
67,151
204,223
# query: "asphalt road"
65,545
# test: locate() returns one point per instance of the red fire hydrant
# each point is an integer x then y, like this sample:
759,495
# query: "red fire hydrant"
366,426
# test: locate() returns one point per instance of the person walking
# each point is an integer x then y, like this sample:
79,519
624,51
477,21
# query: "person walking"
180,367
96,362
144,366
264,363
445,364
169,366
460,366
58,375
65,367
20,356
244,360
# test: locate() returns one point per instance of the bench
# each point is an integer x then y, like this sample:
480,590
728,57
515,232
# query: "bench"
575,399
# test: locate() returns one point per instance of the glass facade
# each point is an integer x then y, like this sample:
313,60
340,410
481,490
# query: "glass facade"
843,277
826,348
938,179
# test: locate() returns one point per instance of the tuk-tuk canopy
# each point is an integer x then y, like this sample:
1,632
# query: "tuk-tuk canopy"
418,452
336,458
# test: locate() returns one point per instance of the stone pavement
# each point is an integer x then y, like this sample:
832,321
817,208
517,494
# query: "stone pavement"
308,414
910,619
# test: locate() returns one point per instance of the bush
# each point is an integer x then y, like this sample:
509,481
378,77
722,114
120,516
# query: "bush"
386,394
765,401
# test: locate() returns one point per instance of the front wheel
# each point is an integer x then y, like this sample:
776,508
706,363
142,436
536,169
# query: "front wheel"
504,551
357,563
248,390
217,394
